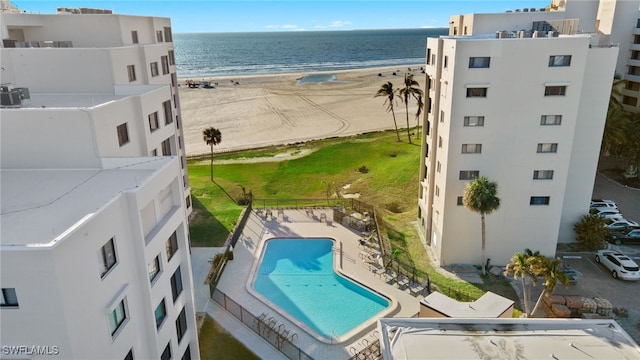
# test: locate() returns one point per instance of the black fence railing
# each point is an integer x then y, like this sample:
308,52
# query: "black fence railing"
265,326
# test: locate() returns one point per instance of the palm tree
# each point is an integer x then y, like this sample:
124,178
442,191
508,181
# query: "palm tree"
481,196
410,89
522,266
387,90
418,113
212,136
552,272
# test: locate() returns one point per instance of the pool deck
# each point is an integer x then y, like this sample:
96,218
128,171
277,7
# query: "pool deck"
297,223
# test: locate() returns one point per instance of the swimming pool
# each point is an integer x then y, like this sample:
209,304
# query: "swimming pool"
298,276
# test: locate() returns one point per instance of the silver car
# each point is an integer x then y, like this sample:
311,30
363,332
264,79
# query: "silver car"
620,265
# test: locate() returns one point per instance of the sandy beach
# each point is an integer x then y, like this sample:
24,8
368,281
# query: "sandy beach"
262,110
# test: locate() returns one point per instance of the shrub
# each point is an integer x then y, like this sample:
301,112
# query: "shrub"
591,232
363,169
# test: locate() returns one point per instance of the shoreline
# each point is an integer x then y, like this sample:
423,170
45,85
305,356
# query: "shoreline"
255,111
379,69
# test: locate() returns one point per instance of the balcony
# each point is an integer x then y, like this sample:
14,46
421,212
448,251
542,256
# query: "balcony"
634,47
629,92
633,62
632,77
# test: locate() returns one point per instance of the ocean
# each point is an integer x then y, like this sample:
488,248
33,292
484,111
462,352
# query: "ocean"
222,54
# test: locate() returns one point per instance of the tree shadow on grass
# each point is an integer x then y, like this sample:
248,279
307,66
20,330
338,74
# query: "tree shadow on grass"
205,229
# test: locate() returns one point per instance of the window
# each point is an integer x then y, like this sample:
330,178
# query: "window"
428,56
166,354
542,174
539,200
154,152
464,32
154,268
471,148
446,61
181,325
131,71
555,90
165,64
109,259
159,35
460,202
476,92
8,297
160,314
559,60
469,174
166,147
167,34
441,116
438,167
474,121
433,59
171,245
134,37
629,100
547,148
550,119
187,354
153,121
479,62
440,141
117,317
123,134
154,68
176,284
172,57
129,355
455,30
437,191
187,201
168,116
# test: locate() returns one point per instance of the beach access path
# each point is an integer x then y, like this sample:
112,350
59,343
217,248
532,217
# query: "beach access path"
262,110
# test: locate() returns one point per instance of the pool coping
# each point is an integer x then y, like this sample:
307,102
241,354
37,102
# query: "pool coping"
297,222
337,255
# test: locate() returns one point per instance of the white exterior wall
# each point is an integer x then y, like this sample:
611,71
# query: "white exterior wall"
591,117
512,109
73,313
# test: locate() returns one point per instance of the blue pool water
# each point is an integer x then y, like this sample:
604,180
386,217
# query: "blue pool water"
298,276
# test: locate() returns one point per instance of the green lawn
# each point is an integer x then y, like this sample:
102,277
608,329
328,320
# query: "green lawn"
215,343
390,184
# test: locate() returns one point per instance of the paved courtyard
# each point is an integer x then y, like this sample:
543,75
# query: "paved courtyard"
237,279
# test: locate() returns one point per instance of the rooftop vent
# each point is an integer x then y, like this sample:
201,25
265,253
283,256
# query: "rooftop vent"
14,97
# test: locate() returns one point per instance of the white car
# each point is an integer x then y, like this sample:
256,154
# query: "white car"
600,203
607,213
615,224
620,265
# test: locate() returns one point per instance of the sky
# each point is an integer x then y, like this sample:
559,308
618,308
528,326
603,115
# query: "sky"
293,15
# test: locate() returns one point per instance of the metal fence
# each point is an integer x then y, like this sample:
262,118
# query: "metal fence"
265,326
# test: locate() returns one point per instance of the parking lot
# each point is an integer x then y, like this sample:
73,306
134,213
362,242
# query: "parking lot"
594,280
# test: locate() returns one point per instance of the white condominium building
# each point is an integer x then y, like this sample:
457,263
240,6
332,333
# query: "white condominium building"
94,249
64,55
527,112
615,22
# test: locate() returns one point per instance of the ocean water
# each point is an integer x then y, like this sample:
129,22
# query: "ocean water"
220,54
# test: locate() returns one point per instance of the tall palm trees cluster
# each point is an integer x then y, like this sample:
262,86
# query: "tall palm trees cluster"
410,90
621,137
530,267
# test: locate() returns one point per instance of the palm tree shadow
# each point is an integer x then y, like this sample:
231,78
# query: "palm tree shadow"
225,192
205,229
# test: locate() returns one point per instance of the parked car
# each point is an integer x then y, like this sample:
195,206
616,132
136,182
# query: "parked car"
607,213
621,224
630,236
620,265
600,203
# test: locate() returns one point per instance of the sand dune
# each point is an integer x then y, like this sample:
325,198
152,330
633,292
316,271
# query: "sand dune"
272,109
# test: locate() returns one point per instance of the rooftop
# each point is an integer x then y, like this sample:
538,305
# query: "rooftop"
447,338
39,207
